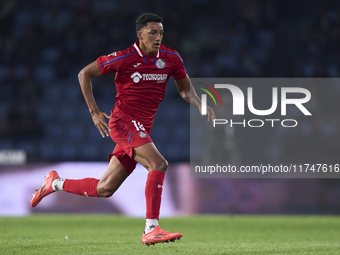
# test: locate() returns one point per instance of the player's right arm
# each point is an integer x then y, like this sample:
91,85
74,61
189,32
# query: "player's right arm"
85,76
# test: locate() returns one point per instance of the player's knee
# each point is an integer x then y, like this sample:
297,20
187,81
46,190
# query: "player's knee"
156,164
104,191
162,165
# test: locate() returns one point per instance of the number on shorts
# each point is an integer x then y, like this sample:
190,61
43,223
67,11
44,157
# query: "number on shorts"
138,126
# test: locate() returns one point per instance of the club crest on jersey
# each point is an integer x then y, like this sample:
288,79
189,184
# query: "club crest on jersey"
160,63
142,134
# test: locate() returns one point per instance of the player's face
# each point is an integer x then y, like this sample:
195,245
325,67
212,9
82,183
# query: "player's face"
150,38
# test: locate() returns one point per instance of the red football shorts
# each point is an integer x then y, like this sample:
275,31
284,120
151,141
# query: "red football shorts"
127,133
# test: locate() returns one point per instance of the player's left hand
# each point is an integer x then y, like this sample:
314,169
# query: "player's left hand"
210,112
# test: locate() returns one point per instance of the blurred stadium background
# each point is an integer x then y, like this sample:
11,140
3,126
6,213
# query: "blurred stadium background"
44,44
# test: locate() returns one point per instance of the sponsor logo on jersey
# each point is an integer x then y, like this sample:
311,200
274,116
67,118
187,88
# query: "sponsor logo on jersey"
142,134
136,77
160,63
160,78
136,65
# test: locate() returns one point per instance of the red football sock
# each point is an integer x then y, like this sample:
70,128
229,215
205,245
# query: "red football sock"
153,194
85,187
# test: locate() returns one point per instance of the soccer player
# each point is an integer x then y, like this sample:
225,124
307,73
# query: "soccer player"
142,72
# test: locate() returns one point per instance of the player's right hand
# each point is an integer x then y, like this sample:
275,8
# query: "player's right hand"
99,121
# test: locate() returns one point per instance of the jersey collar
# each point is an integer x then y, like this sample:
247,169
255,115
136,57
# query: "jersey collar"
140,51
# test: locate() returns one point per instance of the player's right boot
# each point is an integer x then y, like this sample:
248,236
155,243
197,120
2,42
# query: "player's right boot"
159,236
45,189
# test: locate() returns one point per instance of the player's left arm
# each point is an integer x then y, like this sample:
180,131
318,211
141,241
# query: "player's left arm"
188,93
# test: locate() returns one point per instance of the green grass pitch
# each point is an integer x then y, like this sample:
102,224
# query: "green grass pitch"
114,234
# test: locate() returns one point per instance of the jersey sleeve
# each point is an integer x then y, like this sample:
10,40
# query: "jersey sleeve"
113,62
179,72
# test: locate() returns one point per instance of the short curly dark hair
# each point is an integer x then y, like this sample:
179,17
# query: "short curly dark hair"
142,20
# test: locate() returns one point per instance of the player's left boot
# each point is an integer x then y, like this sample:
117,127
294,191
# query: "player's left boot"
160,236
45,189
